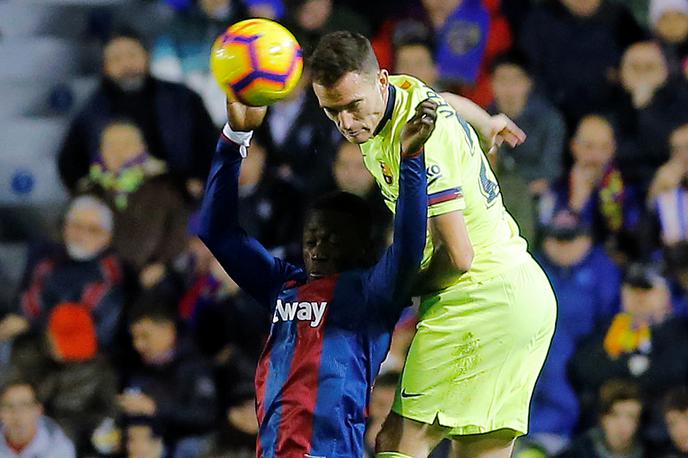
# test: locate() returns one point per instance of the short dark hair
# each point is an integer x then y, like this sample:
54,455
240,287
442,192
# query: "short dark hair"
339,53
614,391
154,306
414,41
676,399
514,57
348,204
125,31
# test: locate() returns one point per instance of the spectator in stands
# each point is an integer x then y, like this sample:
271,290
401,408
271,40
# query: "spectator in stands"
666,223
617,431
381,400
676,259
80,387
467,35
350,175
676,419
558,36
586,283
171,381
143,438
175,124
269,205
182,53
83,269
416,57
669,23
24,431
650,106
645,342
311,19
300,142
529,170
150,213
238,432
594,189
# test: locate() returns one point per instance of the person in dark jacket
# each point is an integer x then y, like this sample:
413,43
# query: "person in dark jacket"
645,342
560,34
586,283
170,381
83,269
617,432
150,213
175,123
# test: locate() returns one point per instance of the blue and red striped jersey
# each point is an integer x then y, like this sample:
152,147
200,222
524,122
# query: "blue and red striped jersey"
328,336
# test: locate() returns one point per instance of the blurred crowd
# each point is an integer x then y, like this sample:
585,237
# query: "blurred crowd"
123,336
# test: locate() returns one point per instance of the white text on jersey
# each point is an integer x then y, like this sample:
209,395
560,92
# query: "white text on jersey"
302,311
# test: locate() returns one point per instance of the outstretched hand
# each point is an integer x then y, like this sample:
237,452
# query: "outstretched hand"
243,118
419,128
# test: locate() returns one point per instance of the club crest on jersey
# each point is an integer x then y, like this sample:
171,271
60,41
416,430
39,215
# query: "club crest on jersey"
386,173
300,311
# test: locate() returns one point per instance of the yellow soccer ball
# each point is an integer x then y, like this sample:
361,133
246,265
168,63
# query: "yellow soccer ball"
257,62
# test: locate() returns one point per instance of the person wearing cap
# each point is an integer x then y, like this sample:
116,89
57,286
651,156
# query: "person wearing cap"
645,342
80,387
669,23
586,282
82,268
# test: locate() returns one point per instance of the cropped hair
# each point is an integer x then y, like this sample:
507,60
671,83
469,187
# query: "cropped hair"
339,53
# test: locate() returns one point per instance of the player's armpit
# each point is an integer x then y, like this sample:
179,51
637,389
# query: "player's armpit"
453,253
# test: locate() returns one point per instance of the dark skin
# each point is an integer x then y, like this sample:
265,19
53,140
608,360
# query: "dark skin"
331,240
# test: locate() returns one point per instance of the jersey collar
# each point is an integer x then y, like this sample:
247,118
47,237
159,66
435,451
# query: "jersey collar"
391,96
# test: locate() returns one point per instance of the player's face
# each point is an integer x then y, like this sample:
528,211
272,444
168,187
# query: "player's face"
355,103
330,244
677,424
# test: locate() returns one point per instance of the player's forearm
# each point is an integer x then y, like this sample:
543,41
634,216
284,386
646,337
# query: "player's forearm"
440,274
471,112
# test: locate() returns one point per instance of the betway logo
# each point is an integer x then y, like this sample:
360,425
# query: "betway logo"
302,311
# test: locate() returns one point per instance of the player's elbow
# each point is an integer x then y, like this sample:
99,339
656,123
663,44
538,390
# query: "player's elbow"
462,261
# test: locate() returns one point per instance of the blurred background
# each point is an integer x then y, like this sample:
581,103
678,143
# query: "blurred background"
120,335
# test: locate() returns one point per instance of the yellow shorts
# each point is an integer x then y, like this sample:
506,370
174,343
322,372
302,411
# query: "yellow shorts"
477,353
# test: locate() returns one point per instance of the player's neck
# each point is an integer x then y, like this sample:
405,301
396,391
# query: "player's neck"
387,108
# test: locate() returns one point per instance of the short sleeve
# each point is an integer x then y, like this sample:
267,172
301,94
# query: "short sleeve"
451,141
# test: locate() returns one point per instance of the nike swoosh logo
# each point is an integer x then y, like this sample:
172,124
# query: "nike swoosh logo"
406,395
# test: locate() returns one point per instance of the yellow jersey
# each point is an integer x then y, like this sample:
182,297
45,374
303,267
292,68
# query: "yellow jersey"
459,178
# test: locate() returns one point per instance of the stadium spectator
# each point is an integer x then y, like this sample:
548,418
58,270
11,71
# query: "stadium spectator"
559,36
170,381
618,429
669,23
595,189
676,419
175,124
25,431
237,435
666,222
300,141
650,106
467,34
83,269
143,438
309,20
80,387
676,259
269,205
150,213
586,283
182,53
416,57
350,175
645,342
534,165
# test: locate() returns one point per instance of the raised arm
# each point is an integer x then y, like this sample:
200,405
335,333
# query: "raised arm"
248,263
390,280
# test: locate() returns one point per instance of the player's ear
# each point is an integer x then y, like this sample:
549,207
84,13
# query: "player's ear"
383,80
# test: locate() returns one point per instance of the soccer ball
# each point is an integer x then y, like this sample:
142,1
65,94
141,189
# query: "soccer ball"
256,61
